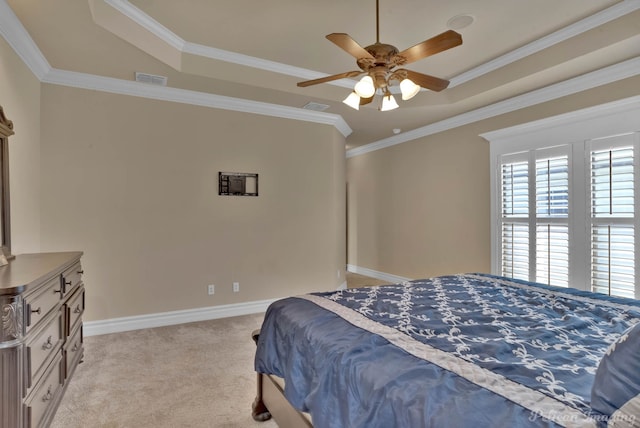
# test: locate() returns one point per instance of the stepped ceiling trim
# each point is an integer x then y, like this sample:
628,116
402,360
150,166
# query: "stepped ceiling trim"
18,38
594,79
167,36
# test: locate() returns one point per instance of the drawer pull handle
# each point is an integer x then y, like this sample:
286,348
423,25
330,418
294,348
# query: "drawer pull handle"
81,272
75,347
77,310
36,311
67,282
48,395
48,344
57,291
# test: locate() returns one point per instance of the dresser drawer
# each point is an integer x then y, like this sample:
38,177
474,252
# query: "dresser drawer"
41,347
74,349
75,309
42,401
39,303
71,278
36,318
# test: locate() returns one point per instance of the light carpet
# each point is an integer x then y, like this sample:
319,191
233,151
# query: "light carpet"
190,375
355,280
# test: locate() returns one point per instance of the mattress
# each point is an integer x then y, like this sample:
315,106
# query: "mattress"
462,350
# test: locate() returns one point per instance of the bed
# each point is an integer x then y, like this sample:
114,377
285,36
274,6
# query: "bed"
468,350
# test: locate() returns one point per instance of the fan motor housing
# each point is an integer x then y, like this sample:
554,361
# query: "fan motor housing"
382,54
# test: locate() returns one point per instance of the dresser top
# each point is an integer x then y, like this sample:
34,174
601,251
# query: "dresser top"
27,270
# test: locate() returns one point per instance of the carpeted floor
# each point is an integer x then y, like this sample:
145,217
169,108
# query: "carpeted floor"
196,375
189,375
355,280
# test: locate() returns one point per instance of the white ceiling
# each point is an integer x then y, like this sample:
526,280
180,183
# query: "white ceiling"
258,50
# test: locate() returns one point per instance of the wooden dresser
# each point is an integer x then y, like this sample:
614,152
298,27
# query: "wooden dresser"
41,306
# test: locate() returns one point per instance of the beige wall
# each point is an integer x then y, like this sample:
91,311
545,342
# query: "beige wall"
422,208
20,98
133,183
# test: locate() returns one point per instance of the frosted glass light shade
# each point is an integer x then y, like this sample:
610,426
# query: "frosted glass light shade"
365,87
353,101
388,103
408,89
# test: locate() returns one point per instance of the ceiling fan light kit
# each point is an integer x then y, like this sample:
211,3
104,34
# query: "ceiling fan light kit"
353,101
378,63
365,87
408,89
388,103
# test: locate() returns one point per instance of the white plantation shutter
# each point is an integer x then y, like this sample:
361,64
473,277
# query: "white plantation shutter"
612,260
612,216
515,189
515,215
552,254
552,221
515,250
612,182
552,187
565,199
535,233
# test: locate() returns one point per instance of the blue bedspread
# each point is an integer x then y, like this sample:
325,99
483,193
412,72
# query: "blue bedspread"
455,351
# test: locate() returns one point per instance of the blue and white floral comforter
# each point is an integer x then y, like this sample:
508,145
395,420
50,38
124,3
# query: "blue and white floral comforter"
455,351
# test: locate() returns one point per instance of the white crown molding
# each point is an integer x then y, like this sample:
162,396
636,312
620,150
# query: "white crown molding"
12,30
393,279
172,39
616,11
18,38
259,63
147,22
585,124
184,96
117,325
594,79
21,42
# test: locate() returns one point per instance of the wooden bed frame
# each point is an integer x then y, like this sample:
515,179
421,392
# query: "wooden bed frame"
271,402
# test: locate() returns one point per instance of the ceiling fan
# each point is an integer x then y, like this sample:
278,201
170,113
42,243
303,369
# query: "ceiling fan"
379,61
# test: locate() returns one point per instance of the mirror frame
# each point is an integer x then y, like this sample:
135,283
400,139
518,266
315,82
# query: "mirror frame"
6,130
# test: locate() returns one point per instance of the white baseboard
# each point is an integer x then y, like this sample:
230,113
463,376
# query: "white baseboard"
378,275
116,325
137,322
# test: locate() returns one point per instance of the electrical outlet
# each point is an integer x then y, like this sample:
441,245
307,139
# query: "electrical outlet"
236,287
211,289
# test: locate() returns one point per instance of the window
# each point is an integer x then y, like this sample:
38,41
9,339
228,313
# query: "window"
612,216
552,220
565,200
515,220
535,234
535,223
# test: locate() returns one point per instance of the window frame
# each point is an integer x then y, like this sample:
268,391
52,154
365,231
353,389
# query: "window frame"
574,130
615,142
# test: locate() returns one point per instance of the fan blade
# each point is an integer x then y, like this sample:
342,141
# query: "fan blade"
345,42
365,101
329,78
426,81
447,40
